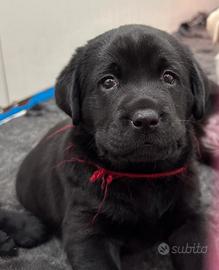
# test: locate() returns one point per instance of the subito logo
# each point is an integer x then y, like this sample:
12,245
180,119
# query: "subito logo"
163,249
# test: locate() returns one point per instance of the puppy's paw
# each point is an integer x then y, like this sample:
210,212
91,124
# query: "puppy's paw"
7,246
31,233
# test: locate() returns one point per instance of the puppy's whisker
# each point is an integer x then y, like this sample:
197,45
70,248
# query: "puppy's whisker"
183,120
69,147
71,160
63,162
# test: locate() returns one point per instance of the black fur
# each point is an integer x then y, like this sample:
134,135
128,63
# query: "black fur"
19,229
136,213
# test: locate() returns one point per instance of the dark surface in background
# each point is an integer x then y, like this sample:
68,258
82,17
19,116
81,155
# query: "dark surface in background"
19,136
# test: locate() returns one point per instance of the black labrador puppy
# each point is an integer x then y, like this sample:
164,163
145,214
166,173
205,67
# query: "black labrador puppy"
122,174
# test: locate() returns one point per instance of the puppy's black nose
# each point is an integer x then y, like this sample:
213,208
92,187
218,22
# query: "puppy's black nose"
145,119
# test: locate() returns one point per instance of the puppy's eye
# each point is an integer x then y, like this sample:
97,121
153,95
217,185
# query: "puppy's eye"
169,77
109,82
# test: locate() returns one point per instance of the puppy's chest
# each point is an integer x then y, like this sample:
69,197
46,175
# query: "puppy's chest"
146,203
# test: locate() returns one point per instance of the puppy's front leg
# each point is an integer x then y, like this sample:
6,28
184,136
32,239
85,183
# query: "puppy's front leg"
188,245
86,247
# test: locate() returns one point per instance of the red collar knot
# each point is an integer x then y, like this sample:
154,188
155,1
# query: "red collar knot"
108,176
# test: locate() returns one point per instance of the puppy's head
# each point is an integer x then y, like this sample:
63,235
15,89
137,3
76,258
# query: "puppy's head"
136,90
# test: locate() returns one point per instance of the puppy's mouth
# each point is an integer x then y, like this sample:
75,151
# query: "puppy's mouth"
146,151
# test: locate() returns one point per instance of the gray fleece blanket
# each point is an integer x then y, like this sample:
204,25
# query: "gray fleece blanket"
20,135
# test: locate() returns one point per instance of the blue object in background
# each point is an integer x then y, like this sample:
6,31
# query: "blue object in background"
34,100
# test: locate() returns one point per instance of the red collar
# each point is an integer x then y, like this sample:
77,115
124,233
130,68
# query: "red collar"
109,176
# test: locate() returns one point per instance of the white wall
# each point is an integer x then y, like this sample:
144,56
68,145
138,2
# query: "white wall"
38,37
4,98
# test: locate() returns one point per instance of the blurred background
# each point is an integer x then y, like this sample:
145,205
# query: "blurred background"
37,38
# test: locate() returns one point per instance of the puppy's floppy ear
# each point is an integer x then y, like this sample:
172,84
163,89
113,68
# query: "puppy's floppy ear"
199,83
67,88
